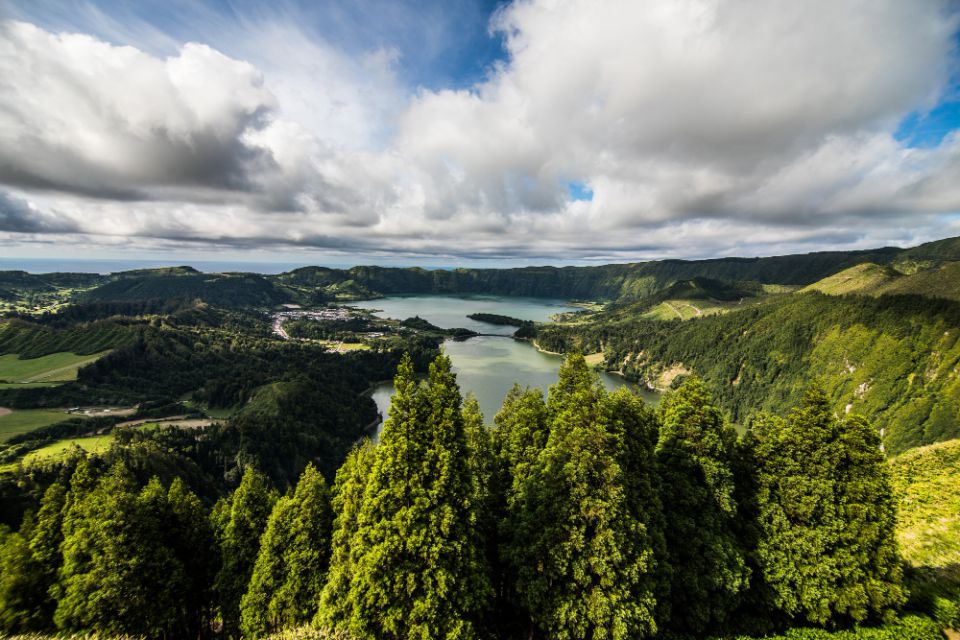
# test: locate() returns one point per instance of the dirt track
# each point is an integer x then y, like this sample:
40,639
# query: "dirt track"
5,412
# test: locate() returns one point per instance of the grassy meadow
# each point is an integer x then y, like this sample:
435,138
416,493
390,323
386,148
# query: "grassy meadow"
55,367
25,420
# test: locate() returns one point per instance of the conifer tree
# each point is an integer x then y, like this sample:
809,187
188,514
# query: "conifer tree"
256,617
636,424
158,577
292,564
190,538
869,565
239,541
584,562
694,455
19,593
115,577
797,508
45,547
521,432
29,562
420,571
335,610
826,517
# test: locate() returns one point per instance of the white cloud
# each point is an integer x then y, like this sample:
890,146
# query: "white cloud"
701,126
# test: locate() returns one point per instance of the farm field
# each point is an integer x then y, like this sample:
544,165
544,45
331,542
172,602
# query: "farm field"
13,423
56,367
92,444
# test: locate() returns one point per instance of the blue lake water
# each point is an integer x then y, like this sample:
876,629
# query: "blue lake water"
488,365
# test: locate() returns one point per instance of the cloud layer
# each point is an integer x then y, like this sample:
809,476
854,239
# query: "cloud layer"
702,127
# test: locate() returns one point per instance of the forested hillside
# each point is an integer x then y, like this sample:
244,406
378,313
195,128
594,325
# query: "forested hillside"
892,358
608,282
672,525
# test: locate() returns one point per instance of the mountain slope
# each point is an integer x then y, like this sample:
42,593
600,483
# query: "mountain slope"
893,358
932,279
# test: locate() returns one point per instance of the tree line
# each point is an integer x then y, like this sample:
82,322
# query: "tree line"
582,514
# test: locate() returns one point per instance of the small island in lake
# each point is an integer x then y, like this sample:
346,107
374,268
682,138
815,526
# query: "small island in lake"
495,318
525,330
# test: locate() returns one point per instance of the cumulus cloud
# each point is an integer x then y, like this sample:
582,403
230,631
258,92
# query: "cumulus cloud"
702,127
81,115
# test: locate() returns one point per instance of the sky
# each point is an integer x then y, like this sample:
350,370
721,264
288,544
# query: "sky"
475,133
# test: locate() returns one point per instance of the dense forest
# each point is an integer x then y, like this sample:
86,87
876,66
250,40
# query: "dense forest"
581,514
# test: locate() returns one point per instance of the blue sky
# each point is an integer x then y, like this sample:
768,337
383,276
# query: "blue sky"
466,132
445,44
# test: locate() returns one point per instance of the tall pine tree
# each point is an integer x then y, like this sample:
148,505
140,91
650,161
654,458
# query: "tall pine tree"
584,561
870,569
292,564
694,455
119,575
335,610
420,569
239,531
826,517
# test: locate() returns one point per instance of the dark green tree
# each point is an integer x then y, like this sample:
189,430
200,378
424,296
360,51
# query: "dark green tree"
694,455
870,569
420,571
189,535
584,562
117,575
522,429
636,425
797,500
45,546
826,517
19,592
521,432
292,564
239,542
335,609
29,561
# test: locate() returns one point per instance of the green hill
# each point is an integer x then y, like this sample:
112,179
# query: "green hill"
633,281
927,481
892,358
927,485
225,289
932,279
946,249
941,280
863,278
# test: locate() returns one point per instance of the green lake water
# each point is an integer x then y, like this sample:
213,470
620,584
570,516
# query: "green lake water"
488,365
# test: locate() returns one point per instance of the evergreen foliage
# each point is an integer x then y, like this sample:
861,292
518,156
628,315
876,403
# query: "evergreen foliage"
239,529
585,515
419,569
292,564
584,562
335,609
826,517
694,456
127,558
